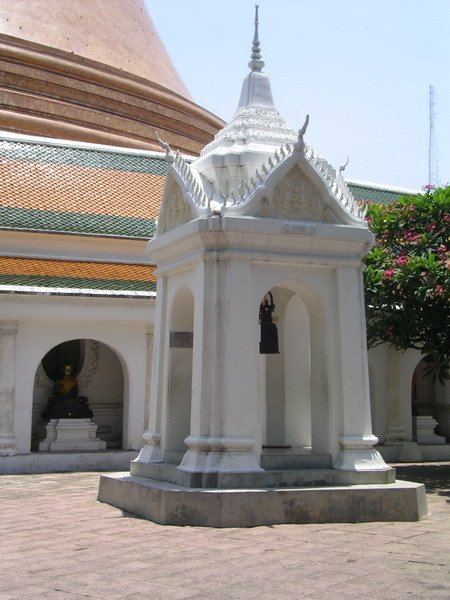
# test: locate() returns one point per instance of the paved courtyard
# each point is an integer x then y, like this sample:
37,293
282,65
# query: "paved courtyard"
58,542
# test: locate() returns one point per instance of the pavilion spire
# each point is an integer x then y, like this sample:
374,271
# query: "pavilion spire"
256,64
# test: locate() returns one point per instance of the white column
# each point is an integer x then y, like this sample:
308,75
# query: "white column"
357,439
148,377
225,422
151,451
8,331
395,424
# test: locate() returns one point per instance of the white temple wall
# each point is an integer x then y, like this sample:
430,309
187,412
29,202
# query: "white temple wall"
46,322
391,377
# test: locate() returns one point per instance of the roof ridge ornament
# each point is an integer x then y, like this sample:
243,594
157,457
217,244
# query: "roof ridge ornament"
343,166
256,64
170,156
300,143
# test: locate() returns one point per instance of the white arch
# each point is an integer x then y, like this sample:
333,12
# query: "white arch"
127,343
320,411
112,398
177,411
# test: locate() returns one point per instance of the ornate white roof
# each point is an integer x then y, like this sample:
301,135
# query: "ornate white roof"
240,172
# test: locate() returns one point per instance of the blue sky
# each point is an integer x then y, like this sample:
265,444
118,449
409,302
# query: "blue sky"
360,68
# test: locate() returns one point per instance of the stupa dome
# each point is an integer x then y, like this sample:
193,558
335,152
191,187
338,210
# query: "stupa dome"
94,71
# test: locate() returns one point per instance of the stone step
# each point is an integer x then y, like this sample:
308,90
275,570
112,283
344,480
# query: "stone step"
257,480
281,459
170,504
58,462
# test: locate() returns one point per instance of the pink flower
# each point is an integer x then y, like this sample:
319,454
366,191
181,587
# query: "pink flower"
431,226
446,217
411,237
427,188
439,290
401,260
388,273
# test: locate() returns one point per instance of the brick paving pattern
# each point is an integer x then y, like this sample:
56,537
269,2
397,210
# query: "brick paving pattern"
58,542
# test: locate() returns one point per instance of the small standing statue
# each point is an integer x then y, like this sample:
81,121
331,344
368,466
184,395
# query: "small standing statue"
269,331
65,403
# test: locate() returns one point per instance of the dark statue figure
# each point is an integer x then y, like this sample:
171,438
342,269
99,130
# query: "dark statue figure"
65,403
269,331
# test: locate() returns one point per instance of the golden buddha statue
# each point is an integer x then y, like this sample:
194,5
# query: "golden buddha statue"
67,386
66,403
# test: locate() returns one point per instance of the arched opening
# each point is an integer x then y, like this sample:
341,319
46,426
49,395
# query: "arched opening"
294,380
297,368
430,406
99,379
179,389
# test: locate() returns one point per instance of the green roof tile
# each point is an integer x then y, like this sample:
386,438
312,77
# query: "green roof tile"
82,157
374,195
46,220
77,282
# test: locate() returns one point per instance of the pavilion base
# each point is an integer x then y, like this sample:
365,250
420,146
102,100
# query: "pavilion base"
171,504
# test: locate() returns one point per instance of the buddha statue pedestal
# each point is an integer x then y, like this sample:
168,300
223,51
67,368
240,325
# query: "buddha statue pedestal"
69,417
423,430
71,434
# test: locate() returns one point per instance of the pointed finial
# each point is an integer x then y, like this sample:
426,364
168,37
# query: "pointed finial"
256,64
342,167
300,143
170,156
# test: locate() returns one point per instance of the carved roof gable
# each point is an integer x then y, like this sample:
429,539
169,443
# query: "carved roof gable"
295,198
175,210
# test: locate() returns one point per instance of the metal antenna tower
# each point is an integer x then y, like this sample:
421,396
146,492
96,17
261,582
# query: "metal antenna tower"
433,162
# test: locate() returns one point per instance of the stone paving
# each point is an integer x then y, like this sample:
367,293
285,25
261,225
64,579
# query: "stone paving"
58,542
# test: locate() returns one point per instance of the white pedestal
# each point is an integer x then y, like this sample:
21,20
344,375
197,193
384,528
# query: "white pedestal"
424,430
71,434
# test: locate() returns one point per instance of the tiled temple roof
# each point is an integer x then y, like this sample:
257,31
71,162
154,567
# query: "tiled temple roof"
377,194
73,188
70,189
40,273
78,190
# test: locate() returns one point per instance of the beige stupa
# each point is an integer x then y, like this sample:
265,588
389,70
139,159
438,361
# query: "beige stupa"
94,71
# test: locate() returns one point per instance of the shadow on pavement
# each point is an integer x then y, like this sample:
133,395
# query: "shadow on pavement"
436,478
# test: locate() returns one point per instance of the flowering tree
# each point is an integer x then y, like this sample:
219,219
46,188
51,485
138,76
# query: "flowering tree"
407,277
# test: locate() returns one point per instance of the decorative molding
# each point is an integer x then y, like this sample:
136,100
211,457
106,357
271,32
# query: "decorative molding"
255,125
296,198
87,372
42,381
175,210
91,361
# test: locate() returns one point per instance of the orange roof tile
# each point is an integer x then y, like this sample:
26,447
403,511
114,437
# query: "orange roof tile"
63,188
64,273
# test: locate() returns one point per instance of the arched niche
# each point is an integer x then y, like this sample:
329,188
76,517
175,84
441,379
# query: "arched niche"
179,388
100,378
294,381
430,398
